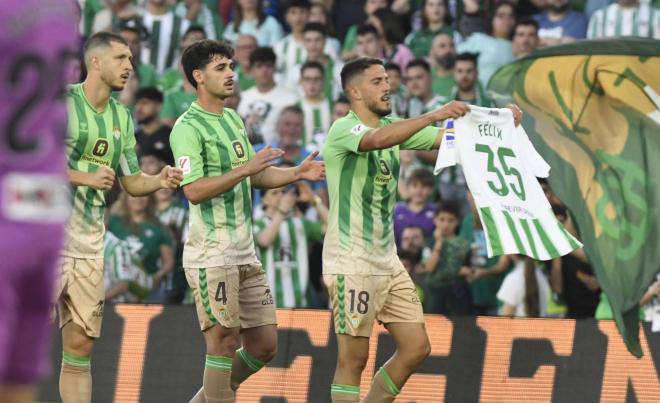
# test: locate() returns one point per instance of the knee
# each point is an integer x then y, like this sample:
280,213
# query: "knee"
354,363
77,343
416,352
221,342
265,351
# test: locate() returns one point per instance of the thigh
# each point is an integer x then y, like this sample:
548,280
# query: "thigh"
216,292
83,295
255,298
356,300
402,303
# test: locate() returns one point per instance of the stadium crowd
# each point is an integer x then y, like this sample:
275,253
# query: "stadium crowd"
288,56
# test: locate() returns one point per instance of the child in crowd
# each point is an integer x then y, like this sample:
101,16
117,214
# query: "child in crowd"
417,210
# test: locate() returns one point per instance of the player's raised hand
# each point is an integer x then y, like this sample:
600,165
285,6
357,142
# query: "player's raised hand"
453,110
517,113
103,178
263,159
310,169
170,177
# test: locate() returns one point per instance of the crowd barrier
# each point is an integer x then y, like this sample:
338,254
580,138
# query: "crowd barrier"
152,353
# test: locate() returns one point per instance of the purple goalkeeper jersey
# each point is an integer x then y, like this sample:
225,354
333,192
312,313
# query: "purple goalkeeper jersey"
38,40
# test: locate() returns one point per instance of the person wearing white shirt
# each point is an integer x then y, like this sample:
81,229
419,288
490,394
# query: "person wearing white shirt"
317,109
525,291
262,104
625,18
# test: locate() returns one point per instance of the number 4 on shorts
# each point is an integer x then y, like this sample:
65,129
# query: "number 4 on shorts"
221,293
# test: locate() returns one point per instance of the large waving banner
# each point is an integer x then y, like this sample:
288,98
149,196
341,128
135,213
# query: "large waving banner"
592,110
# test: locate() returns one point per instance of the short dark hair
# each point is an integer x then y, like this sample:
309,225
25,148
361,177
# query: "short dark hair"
419,63
312,65
527,22
467,56
150,93
199,54
263,54
355,68
450,207
393,29
366,28
292,109
102,40
306,4
316,27
423,176
194,28
392,66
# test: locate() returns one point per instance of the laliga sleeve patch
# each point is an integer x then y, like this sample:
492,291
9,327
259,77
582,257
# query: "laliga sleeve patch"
184,164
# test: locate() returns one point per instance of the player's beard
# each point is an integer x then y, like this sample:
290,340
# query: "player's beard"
379,109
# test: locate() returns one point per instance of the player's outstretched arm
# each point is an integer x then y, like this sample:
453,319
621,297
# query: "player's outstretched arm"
102,179
141,184
274,177
208,187
398,132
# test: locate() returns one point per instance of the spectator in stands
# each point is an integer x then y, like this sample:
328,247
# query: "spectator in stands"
442,56
525,291
574,278
488,273
560,24
435,20
133,220
408,163
392,35
625,18
152,136
314,41
316,107
282,236
349,49
123,278
340,108
368,42
412,262
173,215
398,91
494,48
172,78
245,45
417,210
467,88
418,82
127,95
146,73
116,15
199,13
525,37
318,12
165,31
290,50
448,265
249,18
262,104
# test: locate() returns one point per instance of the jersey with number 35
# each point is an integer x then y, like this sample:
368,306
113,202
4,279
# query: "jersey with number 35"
501,167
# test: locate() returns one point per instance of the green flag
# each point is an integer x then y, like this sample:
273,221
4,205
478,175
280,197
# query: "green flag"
592,110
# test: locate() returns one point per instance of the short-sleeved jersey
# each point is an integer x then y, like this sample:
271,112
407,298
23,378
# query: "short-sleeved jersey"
220,231
362,187
94,139
37,39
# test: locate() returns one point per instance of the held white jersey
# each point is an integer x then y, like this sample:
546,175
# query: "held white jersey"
501,167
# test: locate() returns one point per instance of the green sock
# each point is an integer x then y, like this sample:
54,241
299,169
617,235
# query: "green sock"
344,393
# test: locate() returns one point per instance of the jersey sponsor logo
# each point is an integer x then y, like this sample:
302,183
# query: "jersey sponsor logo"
94,160
238,149
385,173
117,133
184,163
100,148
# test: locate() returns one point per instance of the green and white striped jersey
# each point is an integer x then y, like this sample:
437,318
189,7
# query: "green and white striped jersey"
94,139
501,166
165,32
363,187
291,53
286,260
120,265
206,144
317,121
614,20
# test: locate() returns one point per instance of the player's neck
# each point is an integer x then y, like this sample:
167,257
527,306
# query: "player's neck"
366,116
210,103
97,93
